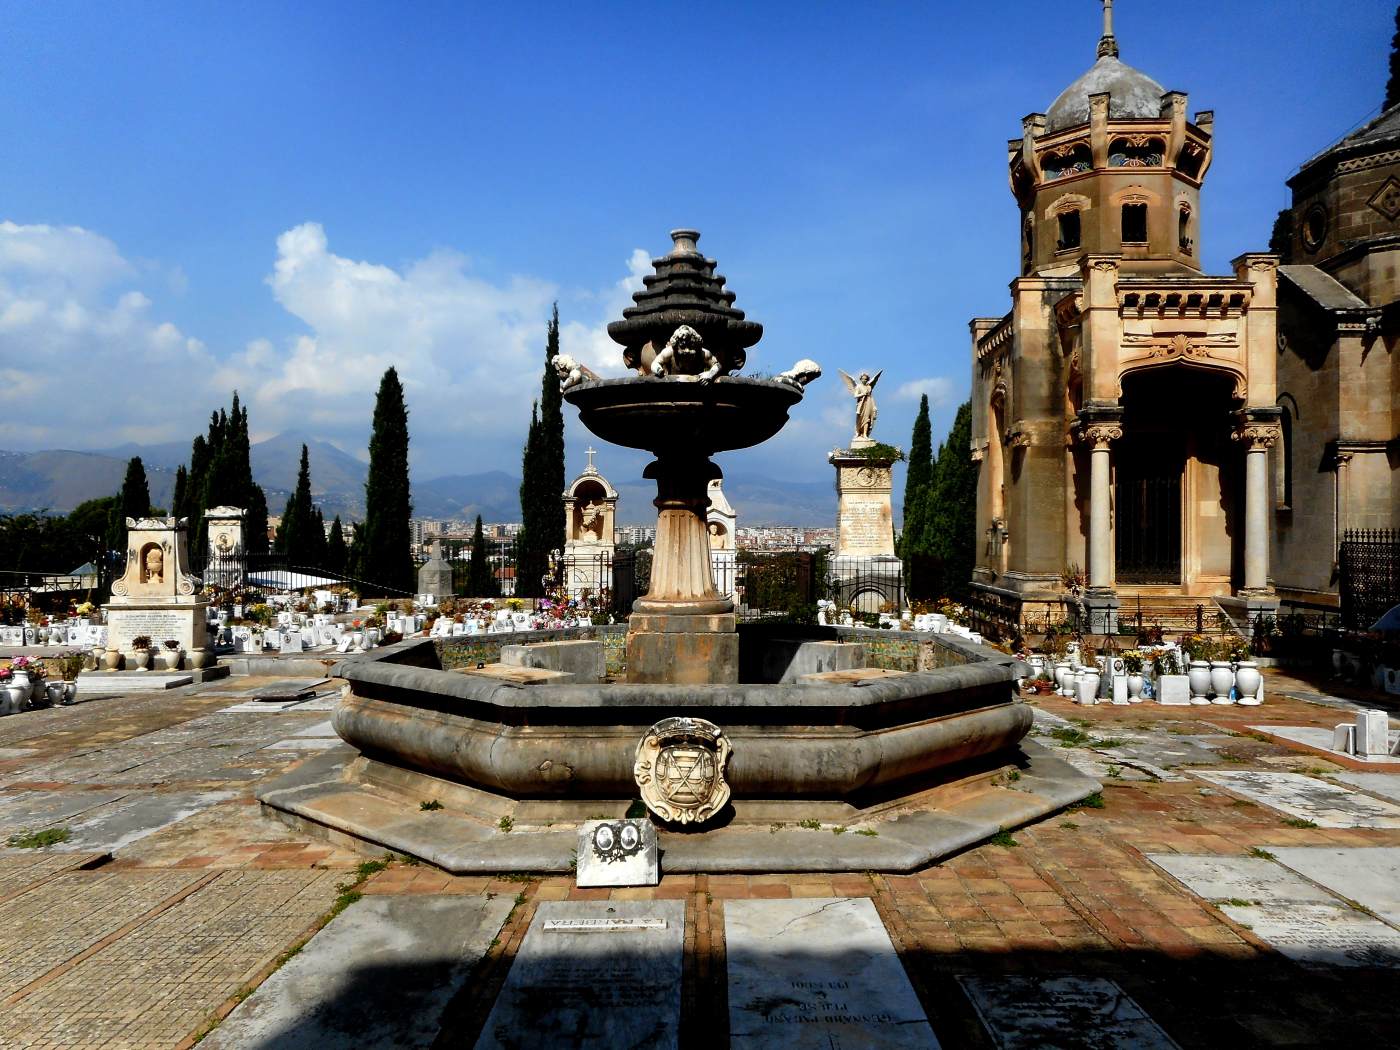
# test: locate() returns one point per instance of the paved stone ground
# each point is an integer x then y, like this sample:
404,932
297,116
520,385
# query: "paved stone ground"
175,896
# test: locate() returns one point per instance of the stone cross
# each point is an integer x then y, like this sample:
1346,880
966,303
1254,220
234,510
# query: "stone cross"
590,451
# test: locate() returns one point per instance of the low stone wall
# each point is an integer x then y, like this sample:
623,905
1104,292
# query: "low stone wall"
887,650
468,651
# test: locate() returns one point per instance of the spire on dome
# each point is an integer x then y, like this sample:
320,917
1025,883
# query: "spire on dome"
1108,43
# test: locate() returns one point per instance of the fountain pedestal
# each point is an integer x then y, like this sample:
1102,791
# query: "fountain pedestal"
682,631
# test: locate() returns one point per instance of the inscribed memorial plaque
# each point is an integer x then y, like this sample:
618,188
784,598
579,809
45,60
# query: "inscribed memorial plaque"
818,972
593,990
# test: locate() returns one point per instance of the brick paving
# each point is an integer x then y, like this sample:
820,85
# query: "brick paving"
149,947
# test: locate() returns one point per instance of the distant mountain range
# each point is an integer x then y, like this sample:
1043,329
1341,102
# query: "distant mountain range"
58,480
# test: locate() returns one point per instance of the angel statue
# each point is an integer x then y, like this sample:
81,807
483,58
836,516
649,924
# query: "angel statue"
863,390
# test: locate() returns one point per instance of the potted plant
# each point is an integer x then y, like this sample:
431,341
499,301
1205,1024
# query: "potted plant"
71,665
1087,690
1222,673
170,659
1132,664
140,656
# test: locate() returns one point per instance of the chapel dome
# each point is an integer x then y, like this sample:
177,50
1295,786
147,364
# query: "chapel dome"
1132,95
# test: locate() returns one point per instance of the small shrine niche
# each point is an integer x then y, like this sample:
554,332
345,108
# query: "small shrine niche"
590,507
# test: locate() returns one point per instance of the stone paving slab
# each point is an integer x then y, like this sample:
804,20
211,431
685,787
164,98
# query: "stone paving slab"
153,987
1370,877
1307,798
61,916
1386,785
22,870
379,975
135,816
31,810
1065,1012
815,973
1295,917
1320,739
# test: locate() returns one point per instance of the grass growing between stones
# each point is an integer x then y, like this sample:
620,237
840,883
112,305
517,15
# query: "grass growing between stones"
39,839
1299,822
430,805
1003,838
810,825
1094,801
1261,853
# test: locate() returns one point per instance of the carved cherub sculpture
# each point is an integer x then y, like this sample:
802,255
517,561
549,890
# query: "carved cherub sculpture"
684,355
802,373
571,373
863,390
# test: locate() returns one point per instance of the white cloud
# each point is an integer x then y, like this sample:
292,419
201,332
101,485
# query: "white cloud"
938,388
96,368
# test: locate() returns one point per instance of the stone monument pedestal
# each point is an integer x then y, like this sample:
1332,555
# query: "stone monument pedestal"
867,575
682,631
155,596
435,575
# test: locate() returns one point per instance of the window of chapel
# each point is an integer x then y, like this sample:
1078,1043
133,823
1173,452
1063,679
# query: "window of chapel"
1069,230
1135,224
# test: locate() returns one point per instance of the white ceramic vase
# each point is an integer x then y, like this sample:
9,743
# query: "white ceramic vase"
1247,681
1198,675
1222,680
1134,688
1088,689
138,659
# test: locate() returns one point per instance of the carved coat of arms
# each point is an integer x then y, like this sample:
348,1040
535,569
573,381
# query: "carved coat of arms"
680,769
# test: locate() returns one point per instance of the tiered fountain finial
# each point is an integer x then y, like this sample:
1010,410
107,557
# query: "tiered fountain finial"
684,290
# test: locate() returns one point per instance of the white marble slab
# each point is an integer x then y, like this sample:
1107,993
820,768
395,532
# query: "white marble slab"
319,729
1368,875
1032,1013
617,853
1298,919
380,974
304,743
1327,805
1386,785
593,991
1321,739
817,972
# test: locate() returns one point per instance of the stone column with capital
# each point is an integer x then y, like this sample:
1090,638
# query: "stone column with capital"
1257,436
1100,426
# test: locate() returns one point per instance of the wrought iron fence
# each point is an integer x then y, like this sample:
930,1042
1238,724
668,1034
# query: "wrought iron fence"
1368,564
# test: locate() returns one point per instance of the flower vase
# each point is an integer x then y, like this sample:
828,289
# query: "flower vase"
1088,688
55,693
1248,681
1198,675
111,660
197,659
138,659
1222,680
13,697
1059,673
1134,688
70,693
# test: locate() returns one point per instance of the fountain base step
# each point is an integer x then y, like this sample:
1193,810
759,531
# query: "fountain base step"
682,649
350,801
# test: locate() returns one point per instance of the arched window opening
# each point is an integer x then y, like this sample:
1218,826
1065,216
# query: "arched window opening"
1283,463
1134,223
1069,230
1183,230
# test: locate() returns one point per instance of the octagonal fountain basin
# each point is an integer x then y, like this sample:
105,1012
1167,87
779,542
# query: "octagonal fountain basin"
924,760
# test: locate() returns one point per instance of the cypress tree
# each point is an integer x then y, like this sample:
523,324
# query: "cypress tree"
481,582
295,536
178,497
542,476
255,522
914,539
531,559
136,493
952,507
336,553
1392,86
387,557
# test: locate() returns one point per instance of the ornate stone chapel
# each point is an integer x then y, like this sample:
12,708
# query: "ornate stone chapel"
1124,410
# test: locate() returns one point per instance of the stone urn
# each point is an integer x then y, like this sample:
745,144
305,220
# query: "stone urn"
138,659
1059,673
70,693
1222,680
55,692
13,697
169,659
197,659
1037,662
1198,675
1087,691
1247,682
111,660
1135,688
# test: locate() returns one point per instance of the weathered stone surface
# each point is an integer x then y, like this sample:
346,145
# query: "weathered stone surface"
675,657
585,660
379,975
852,676
1028,1013
1298,918
787,660
1326,805
1174,690
817,972
617,853
518,675
593,990
1370,876
1326,740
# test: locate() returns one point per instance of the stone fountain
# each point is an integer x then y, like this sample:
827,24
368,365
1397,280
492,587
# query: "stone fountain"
733,738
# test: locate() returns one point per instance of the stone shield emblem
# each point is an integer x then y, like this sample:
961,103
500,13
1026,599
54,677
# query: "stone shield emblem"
680,770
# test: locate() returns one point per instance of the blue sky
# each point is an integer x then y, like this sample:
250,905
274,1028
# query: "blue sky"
287,198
